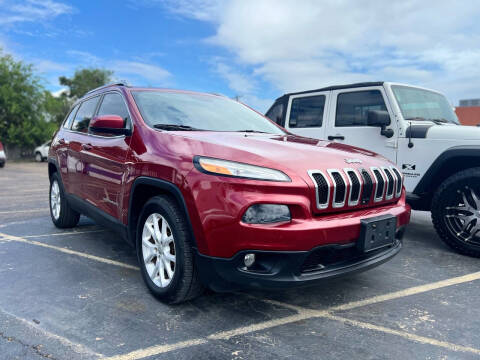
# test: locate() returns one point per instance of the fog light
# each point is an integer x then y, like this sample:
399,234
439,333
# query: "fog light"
266,213
249,259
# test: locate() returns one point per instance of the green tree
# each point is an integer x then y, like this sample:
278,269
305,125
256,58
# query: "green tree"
84,80
22,120
56,108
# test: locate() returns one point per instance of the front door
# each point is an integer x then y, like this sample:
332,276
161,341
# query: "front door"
348,121
104,160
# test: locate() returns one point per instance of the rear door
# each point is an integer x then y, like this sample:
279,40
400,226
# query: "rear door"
104,160
78,141
306,114
62,145
348,120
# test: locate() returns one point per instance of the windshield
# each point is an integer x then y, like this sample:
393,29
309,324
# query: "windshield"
181,111
419,104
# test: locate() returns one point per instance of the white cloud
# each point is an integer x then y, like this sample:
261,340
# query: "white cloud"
155,74
32,11
307,44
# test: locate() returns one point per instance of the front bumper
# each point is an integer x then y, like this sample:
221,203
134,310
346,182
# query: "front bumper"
284,269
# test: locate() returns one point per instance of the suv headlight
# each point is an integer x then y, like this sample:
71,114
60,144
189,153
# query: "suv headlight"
236,169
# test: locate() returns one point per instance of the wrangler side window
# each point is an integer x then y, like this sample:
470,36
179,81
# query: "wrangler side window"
307,111
353,107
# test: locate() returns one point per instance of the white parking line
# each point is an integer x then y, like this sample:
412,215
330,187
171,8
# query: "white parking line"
404,334
67,251
302,313
305,314
23,211
63,233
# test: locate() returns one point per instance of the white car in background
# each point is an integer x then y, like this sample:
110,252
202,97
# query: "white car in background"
41,152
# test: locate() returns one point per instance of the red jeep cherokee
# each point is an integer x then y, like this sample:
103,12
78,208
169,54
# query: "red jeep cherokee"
211,193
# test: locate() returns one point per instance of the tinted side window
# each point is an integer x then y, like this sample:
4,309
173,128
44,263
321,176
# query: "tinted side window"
84,115
352,108
113,104
307,111
68,121
276,114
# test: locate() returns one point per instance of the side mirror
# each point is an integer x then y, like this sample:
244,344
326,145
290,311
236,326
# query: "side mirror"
109,124
380,118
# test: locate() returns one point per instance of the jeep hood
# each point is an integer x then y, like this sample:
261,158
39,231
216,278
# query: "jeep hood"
288,153
451,132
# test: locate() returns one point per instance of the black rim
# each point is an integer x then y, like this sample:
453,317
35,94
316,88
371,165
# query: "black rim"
462,215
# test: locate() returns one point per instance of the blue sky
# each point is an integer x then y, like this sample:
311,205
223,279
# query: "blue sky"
257,49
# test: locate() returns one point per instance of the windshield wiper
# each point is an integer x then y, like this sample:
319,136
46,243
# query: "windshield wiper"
175,127
252,131
436,121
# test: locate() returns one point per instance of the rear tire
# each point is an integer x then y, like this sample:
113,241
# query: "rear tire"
456,212
165,252
38,157
63,216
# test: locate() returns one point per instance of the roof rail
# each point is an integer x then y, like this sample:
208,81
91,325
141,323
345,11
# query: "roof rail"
117,83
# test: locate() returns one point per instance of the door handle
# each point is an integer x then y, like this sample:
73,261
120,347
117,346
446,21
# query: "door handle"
87,147
336,137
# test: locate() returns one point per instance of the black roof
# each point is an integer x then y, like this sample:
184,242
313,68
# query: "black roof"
337,87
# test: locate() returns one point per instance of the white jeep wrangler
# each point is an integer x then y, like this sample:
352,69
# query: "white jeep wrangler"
417,129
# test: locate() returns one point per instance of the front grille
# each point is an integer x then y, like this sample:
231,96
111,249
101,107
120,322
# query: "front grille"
380,184
349,187
367,187
340,188
390,182
355,187
399,182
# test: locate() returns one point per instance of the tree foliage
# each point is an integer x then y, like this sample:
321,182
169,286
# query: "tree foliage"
84,80
22,120
29,114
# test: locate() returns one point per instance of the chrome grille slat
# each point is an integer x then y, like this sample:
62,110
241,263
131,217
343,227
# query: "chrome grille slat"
316,175
379,184
390,187
398,189
367,186
355,183
339,188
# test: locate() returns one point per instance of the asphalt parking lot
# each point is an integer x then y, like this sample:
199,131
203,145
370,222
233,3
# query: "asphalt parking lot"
78,294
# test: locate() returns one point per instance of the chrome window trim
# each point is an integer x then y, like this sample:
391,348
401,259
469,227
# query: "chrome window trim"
397,193
360,181
385,170
101,96
335,204
375,198
310,173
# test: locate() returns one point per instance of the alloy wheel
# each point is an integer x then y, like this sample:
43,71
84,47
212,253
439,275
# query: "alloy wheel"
463,219
158,248
55,199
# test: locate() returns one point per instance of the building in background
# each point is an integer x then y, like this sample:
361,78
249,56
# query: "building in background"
468,112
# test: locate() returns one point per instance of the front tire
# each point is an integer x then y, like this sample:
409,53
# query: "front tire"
456,211
165,253
63,216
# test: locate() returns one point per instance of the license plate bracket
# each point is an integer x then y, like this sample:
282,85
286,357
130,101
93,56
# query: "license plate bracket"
377,232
